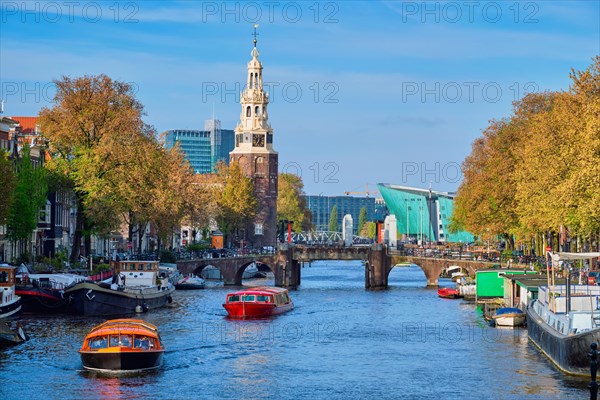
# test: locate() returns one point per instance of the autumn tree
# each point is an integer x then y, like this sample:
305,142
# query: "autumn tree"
236,204
291,204
7,185
333,219
369,230
200,201
535,175
92,118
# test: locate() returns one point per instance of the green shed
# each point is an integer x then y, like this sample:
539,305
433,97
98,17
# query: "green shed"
490,283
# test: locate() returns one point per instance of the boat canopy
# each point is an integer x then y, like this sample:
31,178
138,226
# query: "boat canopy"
574,256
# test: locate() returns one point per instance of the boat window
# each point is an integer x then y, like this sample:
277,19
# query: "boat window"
141,342
140,267
125,340
132,267
234,298
149,267
114,340
262,298
3,277
248,298
98,342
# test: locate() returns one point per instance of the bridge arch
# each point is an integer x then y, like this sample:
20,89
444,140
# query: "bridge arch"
240,271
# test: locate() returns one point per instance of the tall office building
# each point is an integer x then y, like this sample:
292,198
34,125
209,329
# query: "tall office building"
321,206
203,148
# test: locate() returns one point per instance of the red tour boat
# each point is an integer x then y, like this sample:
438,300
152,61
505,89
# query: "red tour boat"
258,302
448,293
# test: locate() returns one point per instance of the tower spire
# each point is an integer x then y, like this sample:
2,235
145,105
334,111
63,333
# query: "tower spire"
255,34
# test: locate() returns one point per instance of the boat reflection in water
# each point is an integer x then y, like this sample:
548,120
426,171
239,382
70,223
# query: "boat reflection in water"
122,345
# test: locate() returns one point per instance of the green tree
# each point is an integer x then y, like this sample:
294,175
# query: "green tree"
236,203
333,219
28,197
7,185
291,204
362,218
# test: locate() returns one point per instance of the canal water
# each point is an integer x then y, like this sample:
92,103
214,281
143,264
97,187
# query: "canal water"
340,342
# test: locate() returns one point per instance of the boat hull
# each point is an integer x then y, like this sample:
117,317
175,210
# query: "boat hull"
509,319
255,310
448,293
568,353
122,361
37,299
10,308
189,286
91,299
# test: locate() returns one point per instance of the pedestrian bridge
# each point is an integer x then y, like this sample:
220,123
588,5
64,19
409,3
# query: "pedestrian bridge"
286,264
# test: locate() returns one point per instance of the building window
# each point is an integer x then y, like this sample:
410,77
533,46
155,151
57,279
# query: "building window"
248,111
258,229
257,111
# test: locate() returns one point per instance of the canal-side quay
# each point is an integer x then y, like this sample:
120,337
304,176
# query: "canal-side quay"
342,340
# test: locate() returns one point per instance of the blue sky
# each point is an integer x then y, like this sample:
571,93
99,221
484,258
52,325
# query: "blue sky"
362,92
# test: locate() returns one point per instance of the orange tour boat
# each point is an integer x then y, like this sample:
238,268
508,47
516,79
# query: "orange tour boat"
122,345
258,302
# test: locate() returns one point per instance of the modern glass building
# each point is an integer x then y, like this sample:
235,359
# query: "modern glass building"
321,206
203,148
422,214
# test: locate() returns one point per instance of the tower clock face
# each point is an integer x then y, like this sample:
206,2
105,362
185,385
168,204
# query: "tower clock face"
258,140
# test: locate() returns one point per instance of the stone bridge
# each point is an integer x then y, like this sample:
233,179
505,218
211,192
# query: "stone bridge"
286,264
433,267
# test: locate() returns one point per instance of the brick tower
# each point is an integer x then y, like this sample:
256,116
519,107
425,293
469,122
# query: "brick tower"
256,156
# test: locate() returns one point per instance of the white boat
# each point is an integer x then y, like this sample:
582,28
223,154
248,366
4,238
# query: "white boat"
10,302
565,319
509,317
190,282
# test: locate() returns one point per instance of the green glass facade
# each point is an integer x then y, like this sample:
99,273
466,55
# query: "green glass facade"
422,214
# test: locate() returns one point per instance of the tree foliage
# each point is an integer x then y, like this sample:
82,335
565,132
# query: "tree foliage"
291,204
236,202
362,218
29,196
119,170
369,230
7,185
333,219
538,171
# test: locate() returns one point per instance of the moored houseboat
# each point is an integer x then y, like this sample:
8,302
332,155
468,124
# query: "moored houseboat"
10,302
565,319
258,302
136,287
122,345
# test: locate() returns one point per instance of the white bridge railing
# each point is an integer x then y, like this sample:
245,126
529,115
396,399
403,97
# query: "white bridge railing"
325,238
